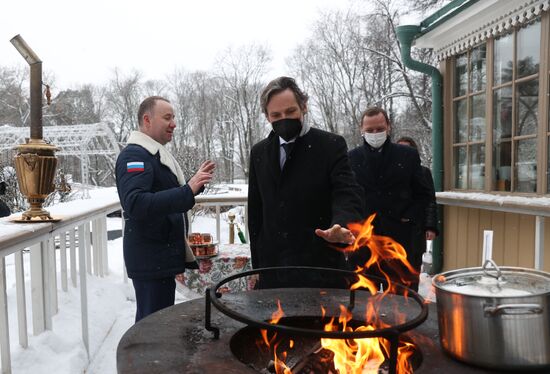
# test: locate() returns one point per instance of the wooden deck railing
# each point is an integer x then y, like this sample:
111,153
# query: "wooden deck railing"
80,241
82,232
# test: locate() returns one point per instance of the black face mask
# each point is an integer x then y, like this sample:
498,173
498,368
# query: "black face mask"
287,128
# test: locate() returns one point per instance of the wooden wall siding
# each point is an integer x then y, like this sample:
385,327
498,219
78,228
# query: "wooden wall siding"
513,238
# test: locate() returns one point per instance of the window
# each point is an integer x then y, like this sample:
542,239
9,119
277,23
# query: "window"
515,109
513,117
469,119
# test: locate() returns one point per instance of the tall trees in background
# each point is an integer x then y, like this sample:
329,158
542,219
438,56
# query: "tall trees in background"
242,73
350,61
124,94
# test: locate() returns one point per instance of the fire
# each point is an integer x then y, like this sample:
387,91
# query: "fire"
278,361
386,254
353,356
362,356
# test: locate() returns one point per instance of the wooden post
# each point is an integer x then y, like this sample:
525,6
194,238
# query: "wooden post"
82,249
4,323
21,302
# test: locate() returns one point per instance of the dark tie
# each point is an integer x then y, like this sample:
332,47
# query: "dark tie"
288,149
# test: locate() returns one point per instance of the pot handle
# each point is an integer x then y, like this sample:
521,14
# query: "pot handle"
514,309
486,269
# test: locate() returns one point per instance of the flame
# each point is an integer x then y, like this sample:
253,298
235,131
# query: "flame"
280,366
362,356
386,254
278,361
278,314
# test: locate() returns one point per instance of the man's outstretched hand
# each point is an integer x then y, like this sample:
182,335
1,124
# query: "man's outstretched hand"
202,176
336,234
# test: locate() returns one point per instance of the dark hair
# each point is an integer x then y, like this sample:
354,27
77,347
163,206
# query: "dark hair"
373,111
148,105
408,139
278,85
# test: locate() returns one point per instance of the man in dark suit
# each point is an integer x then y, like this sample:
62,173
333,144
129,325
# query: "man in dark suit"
394,185
429,230
302,192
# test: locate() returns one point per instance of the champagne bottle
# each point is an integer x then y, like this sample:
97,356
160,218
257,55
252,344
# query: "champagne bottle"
241,235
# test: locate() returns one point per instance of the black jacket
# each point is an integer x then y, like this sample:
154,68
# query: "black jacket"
153,203
396,190
315,189
430,219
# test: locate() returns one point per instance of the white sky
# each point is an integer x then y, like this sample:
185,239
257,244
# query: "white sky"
82,42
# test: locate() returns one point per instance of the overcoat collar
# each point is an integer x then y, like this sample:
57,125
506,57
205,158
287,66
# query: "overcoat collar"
154,147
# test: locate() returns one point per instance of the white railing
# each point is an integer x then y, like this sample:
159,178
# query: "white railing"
80,221
220,200
68,238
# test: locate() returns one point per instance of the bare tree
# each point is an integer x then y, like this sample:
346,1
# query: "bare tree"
425,6
72,107
124,94
335,72
353,61
14,101
242,72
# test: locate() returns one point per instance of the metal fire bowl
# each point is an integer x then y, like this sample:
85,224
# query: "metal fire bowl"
174,340
35,165
308,299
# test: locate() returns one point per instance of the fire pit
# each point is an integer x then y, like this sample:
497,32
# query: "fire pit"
299,320
291,328
174,340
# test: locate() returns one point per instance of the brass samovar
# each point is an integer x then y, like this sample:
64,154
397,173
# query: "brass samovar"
35,161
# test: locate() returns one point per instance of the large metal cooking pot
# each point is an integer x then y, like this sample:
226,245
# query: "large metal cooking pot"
495,317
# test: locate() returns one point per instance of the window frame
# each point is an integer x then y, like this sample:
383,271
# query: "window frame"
541,135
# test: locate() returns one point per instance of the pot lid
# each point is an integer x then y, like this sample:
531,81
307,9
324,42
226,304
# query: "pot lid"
494,281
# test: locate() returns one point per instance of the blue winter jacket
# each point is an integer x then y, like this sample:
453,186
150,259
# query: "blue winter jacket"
154,206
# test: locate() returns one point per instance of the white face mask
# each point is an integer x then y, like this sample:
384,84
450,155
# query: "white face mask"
376,139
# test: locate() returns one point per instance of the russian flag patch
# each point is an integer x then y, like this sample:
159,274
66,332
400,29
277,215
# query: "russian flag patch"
134,166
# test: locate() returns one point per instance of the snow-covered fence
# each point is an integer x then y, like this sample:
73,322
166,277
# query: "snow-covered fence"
82,228
219,200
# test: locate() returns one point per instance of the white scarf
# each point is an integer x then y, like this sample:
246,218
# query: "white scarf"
166,158
152,146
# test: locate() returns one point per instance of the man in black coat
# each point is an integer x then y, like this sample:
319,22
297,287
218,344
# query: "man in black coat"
428,231
301,191
155,197
394,185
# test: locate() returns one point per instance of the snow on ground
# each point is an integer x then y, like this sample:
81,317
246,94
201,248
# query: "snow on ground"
111,309
111,306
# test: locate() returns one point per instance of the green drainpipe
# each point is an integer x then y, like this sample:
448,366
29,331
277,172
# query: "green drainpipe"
406,34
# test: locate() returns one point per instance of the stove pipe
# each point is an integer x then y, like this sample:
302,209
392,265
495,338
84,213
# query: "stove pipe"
35,161
36,84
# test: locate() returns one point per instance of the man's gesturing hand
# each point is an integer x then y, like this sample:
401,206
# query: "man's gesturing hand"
202,176
336,234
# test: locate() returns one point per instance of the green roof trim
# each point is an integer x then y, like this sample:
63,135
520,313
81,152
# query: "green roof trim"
448,11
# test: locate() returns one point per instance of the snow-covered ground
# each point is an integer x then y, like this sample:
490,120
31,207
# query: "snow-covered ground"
111,305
